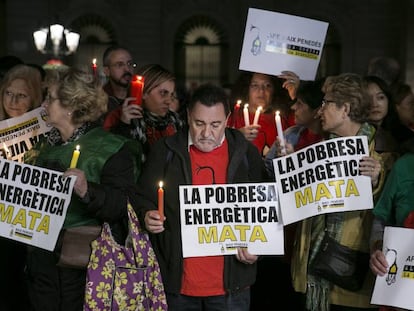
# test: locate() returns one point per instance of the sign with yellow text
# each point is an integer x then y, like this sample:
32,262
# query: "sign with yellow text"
323,178
396,287
217,219
33,203
19,134
274,42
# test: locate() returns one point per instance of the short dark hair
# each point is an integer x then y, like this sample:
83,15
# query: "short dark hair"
111,49
210,95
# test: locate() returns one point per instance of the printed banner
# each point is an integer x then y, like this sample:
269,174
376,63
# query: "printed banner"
217,219
323,178
33,203
396,287
274,42
19,134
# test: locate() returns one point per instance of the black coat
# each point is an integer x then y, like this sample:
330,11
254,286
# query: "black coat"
169,161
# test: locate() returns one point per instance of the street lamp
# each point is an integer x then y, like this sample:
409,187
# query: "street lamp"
58,35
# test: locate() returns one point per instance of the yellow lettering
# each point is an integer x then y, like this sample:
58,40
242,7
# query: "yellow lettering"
205,236
227,234
6,215
33,217
337,184
351,189
304,199
322,192
44,224
20,218
242,230
258,234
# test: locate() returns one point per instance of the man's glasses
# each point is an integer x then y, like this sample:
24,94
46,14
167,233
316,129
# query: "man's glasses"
17,96
120,65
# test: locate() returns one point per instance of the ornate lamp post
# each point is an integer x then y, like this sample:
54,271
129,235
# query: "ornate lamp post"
63,41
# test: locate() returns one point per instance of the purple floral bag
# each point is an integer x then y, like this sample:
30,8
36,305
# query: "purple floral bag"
124,277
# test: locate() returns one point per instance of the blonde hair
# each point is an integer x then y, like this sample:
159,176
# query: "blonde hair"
33,79
80,92
154,75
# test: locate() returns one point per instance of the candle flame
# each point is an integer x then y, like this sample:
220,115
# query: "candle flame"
94,61
77,147
246,105
6,149
239,101
161,184
259,108
277,112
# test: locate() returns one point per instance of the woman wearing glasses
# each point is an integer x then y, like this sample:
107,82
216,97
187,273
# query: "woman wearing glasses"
265,91
106,171
344,112
153,119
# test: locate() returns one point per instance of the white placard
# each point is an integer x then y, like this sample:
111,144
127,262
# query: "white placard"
217,219
323,178
396,287
274,42
19,134
33,203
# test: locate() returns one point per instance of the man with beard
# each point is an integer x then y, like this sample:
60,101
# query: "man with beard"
118,69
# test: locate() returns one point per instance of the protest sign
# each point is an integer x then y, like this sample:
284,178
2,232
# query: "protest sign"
396,287
19,134
323,178
274,42
33,203
217,219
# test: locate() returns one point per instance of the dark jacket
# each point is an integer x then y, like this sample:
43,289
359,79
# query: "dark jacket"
169,161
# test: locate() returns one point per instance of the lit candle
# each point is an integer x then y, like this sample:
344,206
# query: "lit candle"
161,201
237,105
7,151
75,157
137,87
256,115
94,68
246,115
280,131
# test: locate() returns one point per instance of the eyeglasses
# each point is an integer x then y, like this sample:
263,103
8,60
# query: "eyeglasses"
49,99
326,102
17,96
165,94
257,87
120,65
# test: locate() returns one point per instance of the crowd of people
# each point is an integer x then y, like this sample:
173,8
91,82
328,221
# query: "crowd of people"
208,137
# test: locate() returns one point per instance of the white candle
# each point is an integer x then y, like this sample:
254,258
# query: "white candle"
256,115
246,115
280,131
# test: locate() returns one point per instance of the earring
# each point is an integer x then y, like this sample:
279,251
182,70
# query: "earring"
69,114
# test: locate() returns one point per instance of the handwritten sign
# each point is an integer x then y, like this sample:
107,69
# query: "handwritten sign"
274,42
217,219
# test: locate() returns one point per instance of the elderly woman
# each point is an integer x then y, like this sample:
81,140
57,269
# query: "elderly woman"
21,91
154,119
106,172
344,112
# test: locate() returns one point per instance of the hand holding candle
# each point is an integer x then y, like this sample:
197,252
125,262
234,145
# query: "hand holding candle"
75,157
246,115
136,89
280,131
256,115
161,201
